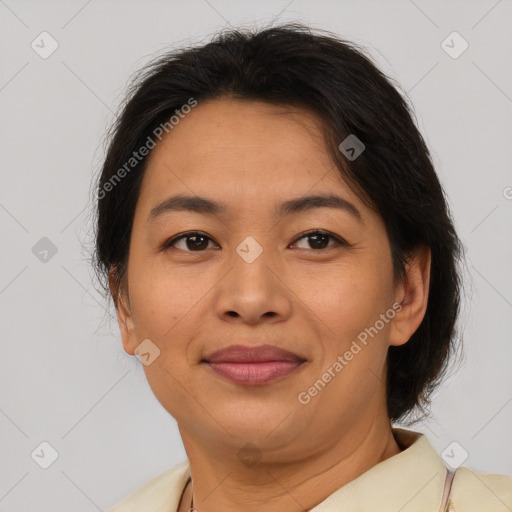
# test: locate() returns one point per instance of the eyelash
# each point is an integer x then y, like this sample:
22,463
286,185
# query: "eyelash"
338,240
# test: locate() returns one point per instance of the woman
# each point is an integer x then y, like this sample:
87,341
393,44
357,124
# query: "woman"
283,262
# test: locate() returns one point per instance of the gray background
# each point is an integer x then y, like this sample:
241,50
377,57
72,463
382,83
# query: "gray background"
65,378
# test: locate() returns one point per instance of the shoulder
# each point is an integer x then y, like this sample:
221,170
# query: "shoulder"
158,494
474,492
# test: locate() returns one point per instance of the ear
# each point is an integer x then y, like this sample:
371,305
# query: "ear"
412,295
124,314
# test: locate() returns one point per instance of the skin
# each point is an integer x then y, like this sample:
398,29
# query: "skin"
314,302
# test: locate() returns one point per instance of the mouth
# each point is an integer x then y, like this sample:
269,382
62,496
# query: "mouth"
253,366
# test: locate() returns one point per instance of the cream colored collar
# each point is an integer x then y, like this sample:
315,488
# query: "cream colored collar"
407,482
410,481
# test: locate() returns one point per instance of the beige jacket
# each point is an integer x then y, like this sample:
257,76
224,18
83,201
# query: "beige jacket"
411,481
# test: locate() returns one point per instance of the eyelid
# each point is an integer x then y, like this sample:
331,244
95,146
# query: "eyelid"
169,242
339,240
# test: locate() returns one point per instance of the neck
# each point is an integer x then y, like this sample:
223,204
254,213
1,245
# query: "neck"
223,483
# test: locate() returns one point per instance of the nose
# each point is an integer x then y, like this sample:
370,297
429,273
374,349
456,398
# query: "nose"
253,292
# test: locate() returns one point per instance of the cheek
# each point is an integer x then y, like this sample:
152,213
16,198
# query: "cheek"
351,308
348,298
163,297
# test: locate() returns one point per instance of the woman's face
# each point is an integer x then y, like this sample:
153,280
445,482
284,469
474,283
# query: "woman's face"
251,277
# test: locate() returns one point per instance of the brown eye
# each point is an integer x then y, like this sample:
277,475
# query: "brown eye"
319,240
193,241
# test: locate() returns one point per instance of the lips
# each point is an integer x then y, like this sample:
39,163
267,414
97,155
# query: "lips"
259,354
253,366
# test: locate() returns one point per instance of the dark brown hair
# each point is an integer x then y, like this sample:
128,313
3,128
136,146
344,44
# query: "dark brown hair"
292,65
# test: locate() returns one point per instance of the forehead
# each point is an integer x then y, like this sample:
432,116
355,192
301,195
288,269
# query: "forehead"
243,149
234,119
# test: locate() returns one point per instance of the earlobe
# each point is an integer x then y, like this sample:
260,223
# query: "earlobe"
412,294
124,315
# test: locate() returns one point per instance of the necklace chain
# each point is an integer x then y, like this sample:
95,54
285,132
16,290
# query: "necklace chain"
191,508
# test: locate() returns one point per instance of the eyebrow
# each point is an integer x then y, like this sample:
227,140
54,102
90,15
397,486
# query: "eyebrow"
206,206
